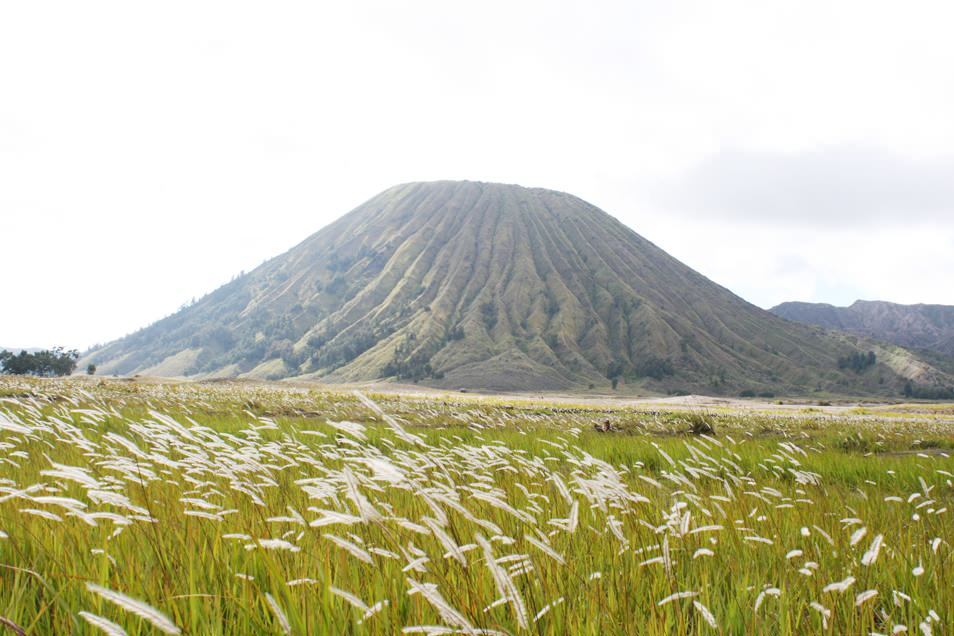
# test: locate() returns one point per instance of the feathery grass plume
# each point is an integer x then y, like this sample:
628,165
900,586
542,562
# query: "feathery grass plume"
354,429
864,596
706,614
839,586
355,602
273,544
858,535
331,517
824,611
448,613
301,581
666,556
106,626
203,515
356,551
561,487
546,608
827,536
374,609
446,540
402,434
550,552
872,554
367,512
504,583
709,528
44,514
676,596
148,613
279,613
769,591
294,517
573,520
7,425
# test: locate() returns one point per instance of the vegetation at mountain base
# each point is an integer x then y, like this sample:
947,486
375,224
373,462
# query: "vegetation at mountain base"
498,287
47,363
928,392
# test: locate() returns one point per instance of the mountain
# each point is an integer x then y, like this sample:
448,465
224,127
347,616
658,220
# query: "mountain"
490,286
929,327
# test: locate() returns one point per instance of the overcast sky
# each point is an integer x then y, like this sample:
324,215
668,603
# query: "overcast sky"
151,151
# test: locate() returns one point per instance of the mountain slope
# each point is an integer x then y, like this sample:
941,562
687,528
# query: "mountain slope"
929,327
497,287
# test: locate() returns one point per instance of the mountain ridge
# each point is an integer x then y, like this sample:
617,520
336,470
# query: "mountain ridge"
920,326
500,287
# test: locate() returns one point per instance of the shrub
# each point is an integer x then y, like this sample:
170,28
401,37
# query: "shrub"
488,313
654,367
700,424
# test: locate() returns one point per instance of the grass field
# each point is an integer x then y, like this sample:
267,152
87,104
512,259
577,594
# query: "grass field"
246,509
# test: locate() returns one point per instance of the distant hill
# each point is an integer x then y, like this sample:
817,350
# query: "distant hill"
929,327
490,286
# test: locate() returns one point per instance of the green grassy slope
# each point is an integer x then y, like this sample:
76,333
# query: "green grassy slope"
496,287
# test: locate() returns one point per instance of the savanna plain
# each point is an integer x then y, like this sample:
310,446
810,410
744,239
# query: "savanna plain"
230,508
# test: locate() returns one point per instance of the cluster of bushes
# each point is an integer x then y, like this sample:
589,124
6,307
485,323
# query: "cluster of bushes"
748,393
416,366
928,392
47,363
488,313
652,367
344,348
857,361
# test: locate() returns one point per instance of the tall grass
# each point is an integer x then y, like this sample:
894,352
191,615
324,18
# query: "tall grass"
240,509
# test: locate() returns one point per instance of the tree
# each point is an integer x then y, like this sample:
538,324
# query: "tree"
857,361
488,313
46,363
91,369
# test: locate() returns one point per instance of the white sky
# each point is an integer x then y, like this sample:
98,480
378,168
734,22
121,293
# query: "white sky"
151,151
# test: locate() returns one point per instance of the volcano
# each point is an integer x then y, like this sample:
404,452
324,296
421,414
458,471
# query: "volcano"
496,287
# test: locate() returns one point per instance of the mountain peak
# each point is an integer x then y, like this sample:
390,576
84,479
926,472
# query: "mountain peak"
483,285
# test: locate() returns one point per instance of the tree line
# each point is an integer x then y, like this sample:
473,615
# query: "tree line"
46,363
